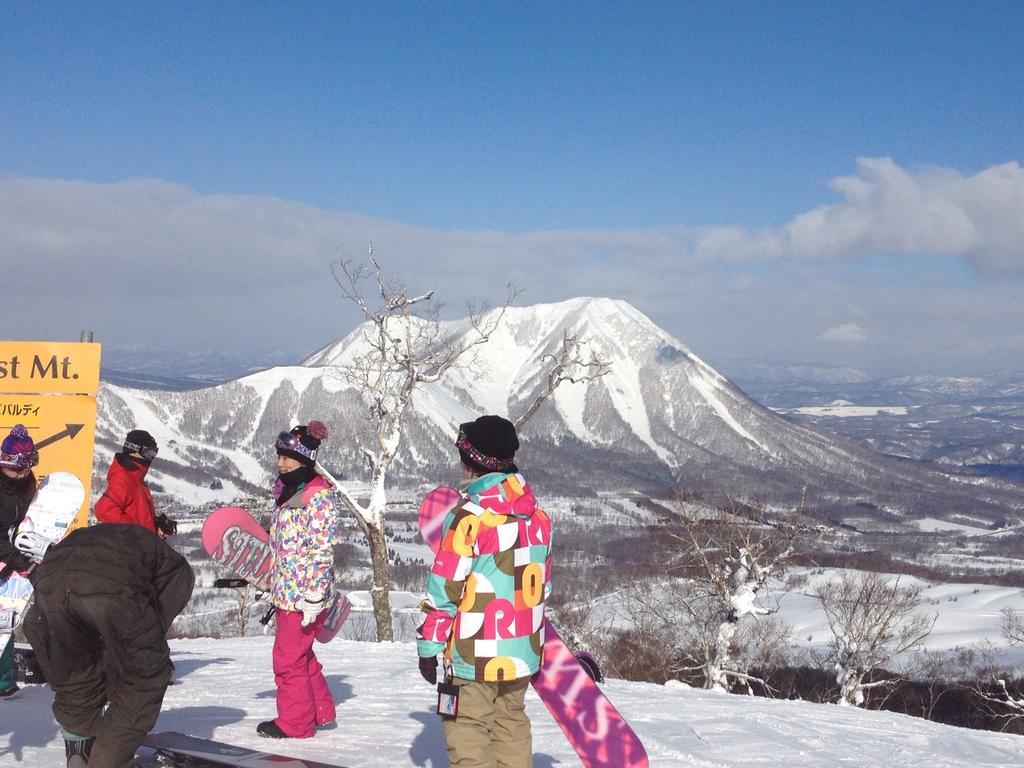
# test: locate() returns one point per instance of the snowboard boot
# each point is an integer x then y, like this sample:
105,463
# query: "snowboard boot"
590,666
78,751
271,730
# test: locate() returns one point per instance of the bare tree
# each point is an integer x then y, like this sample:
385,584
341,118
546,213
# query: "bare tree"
571,365
716,565
245,599
872,621
1013,626
764,644
936,672
404,347
998,699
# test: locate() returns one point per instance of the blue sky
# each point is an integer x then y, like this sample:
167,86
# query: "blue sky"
436,122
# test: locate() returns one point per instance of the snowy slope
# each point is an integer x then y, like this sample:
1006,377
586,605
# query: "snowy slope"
386,719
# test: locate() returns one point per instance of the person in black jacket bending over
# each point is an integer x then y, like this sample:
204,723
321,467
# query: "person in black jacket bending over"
104,599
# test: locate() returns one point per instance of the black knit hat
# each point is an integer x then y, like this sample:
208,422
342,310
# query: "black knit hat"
488,444
141,442
302,442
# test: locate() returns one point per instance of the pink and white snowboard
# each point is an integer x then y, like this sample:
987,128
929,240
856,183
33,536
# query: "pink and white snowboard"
594,728
235,540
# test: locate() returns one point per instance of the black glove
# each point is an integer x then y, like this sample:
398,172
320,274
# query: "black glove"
428,668
165,525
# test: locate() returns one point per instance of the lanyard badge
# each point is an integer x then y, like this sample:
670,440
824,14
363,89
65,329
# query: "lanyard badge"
447,695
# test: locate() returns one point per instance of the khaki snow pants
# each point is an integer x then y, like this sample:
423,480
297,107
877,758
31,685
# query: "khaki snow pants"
492,729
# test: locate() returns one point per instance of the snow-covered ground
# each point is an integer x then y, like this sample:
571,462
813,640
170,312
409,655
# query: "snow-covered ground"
845,409
966,615
385,719
931,525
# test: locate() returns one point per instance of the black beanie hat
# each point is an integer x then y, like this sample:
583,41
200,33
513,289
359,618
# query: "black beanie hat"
138,439
303,443
488,444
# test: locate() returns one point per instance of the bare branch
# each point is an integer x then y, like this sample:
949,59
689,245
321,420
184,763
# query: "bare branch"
369,456
568,365
1013,626
484,323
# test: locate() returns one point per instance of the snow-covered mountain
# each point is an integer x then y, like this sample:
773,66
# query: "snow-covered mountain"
661,418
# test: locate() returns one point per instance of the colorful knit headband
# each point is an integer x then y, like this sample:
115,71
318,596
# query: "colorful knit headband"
488,462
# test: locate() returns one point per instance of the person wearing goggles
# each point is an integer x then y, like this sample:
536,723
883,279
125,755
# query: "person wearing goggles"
290,442
303,532
19,463
18,455
144,452
127,498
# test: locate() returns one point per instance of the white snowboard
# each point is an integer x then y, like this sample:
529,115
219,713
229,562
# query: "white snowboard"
54,507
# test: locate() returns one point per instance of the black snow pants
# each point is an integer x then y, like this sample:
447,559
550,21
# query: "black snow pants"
100,637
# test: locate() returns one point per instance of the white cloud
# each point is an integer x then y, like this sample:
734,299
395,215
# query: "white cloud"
154,263
888,209
847,333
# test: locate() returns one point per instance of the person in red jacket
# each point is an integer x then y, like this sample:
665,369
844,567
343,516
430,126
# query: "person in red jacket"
127,498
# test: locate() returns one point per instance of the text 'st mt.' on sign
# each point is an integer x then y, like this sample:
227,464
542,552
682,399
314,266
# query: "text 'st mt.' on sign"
51,388
47,367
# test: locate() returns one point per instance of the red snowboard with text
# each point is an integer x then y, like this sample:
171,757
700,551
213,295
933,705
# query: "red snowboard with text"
235,540
596,730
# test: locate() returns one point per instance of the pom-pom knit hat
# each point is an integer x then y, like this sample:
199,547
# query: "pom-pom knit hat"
17,450
302,442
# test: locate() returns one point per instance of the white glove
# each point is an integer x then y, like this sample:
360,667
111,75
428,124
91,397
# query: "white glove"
31,544
312,605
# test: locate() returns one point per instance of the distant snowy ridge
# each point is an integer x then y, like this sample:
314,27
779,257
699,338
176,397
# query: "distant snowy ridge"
662,417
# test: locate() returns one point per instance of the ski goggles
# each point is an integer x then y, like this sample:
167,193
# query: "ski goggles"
19,460
286,441
143,450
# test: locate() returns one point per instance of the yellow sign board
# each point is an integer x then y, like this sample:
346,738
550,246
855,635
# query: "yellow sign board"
49,367
51,387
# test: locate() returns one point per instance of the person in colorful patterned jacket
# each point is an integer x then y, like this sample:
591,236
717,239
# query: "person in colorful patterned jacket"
485,602
303,531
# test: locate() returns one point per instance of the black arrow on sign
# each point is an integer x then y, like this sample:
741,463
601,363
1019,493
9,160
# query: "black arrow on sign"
70,432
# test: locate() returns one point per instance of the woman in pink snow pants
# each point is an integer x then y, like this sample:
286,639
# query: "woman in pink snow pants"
302,537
